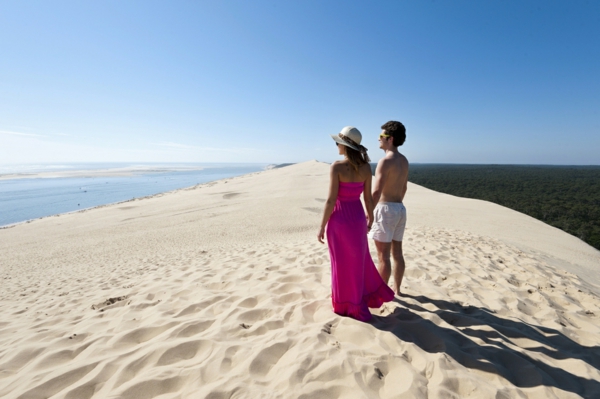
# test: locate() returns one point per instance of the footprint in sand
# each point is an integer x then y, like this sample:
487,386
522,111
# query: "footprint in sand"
142,334
267,358
109,303
313,210
184,351
154,387
248,303
230,195
254,315
194,328
327,328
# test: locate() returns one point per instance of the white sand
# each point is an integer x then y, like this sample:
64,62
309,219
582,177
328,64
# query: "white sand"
222,291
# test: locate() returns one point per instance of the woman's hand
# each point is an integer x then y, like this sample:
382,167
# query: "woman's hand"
321,235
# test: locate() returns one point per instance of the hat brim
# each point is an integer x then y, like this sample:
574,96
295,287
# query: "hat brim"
338,140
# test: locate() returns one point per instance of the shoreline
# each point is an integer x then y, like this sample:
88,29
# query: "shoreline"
100,173
116,171
11,225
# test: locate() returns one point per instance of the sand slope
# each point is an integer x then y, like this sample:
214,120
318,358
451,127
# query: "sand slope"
222,291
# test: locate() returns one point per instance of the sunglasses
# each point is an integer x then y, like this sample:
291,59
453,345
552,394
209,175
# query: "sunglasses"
384,136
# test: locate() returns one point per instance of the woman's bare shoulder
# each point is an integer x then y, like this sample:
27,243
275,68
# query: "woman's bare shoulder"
336,168
337,165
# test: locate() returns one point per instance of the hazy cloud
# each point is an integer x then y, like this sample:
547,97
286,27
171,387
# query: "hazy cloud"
20,134
175,145
179,146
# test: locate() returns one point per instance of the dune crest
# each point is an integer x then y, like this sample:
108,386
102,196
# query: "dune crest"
222,291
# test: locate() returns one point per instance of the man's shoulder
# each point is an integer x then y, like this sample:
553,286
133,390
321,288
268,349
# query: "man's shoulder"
384,162
398,157
403,158
392,159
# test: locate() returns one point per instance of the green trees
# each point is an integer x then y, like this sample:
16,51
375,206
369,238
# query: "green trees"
567,197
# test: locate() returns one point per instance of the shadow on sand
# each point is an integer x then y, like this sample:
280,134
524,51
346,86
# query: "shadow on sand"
511,349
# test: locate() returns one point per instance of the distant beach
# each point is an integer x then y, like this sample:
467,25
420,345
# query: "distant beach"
33,191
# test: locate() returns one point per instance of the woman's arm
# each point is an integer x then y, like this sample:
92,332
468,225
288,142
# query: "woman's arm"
334,186
368,197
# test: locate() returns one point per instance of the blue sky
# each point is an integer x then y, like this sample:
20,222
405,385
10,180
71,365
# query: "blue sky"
269,81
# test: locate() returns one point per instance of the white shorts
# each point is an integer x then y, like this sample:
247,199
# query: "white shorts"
389,223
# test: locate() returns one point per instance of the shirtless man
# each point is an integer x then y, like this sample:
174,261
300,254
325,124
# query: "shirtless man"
390,183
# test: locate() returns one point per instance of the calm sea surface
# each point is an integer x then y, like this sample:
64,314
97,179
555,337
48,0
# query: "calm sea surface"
25,199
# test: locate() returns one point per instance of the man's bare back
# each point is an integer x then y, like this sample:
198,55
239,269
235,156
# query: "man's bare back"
392,176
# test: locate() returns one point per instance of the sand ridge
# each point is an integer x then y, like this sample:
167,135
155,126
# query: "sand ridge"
190,295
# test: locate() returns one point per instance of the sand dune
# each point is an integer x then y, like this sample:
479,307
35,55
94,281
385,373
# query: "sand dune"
222,291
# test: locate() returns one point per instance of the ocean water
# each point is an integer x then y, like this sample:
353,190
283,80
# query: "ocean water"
31,198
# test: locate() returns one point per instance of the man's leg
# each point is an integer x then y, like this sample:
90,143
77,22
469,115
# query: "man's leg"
399,265
383,254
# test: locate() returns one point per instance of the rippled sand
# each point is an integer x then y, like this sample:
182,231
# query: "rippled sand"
222,291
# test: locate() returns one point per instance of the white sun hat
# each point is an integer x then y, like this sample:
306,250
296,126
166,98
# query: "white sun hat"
350,137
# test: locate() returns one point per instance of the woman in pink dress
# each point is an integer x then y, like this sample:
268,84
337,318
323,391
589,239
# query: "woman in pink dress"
356,285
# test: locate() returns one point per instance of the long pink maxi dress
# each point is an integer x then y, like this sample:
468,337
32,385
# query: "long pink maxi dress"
356,284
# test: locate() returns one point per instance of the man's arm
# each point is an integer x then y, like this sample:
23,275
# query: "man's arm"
379,182
405,183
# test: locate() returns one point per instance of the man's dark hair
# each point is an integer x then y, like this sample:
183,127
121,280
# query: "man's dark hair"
396,130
